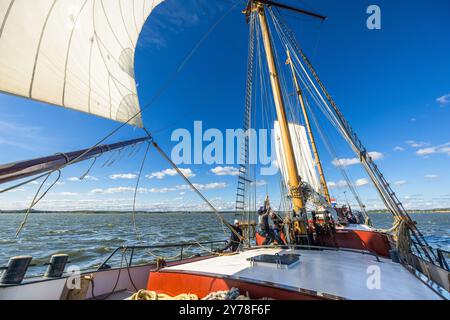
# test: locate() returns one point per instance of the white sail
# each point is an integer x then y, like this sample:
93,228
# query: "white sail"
303,155
78,54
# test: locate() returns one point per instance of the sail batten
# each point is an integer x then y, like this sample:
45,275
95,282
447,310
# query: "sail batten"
78,54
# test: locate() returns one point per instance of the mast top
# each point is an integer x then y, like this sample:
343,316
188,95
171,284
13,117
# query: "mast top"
250,4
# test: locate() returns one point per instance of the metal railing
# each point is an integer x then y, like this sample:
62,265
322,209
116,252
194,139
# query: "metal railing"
181,246
441,258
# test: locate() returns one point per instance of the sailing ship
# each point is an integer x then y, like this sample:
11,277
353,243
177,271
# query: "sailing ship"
89,67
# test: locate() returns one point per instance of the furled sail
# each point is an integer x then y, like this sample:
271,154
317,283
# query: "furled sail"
302,152
78,54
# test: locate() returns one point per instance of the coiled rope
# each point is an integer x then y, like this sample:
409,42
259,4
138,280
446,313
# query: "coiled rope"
232,294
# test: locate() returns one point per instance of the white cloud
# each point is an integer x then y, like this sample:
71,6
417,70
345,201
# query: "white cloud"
170,172
118,190
398,148
400,182
57,183
361,182
444,100
68,194
259,183
225,171
182,188
88,178
345,162
441,149
162,190
208,186
335,185
343,184
16,190
127,176
413,119
431,177
416,144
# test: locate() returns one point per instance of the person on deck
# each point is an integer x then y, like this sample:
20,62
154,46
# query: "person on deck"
266,231
278,227
235,238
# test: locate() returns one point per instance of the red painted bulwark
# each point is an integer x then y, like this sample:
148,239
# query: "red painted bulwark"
175,283
361,240
352,239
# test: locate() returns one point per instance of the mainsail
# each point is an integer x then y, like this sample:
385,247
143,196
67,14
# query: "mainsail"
77,54
303,155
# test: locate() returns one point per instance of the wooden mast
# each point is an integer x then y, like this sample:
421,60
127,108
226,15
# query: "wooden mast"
309,129
295,189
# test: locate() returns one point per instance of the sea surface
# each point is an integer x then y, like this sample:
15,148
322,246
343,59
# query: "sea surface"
90,238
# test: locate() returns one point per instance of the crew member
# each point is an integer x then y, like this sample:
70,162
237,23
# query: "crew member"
266,231
278,227
235,238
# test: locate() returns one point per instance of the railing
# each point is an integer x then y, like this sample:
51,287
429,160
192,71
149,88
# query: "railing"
181,246
439,253
441,258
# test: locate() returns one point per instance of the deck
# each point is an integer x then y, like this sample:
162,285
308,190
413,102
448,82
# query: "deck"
327,273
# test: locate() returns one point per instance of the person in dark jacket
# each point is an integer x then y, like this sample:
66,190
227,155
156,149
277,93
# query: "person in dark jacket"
278,227
235,240
266,230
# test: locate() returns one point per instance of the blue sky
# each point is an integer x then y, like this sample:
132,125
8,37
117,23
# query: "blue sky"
392,84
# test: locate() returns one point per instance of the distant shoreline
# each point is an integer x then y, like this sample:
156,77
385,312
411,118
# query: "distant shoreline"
444,210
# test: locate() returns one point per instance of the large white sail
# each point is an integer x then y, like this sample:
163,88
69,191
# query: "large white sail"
78,54
303,155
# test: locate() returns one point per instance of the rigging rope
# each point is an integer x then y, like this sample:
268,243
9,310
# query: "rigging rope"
36,199
196,190
321,103
90,167
290,41
385,191
133,214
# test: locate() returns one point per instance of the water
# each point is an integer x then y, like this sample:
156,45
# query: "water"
90,238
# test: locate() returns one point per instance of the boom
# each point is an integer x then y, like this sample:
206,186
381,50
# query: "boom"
23,169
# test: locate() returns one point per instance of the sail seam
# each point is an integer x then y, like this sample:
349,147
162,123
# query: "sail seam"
99,42
110,26
110,101
6,17
38,50
68,51
125,25
134,19
90,73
